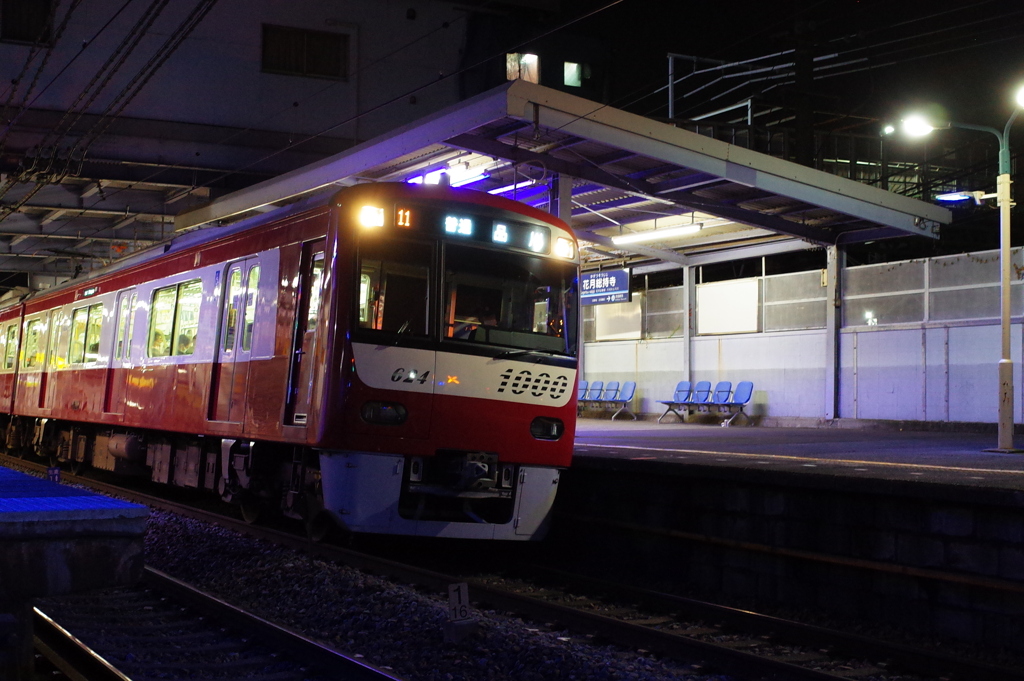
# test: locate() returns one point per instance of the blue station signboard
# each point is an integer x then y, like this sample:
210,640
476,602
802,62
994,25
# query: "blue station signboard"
597,288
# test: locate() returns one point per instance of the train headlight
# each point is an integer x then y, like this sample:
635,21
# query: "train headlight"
564,248
545,428
384,413
371,216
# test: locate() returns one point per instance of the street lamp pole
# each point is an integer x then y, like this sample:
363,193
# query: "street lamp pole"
917,126
1004,441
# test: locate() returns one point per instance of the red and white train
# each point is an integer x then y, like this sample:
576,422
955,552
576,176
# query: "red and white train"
396,358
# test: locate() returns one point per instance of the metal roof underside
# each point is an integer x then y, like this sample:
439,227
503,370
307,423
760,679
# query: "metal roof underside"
628,175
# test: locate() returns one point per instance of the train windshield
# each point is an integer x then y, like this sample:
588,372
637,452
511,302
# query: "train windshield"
509,299
400,274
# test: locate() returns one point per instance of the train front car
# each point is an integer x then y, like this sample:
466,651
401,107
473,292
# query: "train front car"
456,392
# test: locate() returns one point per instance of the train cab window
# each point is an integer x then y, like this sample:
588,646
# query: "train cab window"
11,347
250,306
174,319
35,344
394,287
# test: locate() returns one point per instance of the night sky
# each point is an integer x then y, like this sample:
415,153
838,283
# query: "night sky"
964,56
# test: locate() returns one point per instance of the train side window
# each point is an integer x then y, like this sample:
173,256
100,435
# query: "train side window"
315,291
131,326
161,321
186,322
11,351
79,322
174,321
94,326
86,325
234,304
250,306
34,344
125,322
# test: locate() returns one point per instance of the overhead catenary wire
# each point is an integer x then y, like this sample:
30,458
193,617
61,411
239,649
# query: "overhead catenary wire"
140,80
371,110
326,131
105,73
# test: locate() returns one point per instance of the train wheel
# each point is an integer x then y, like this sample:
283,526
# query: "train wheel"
319,527
322,528
252,510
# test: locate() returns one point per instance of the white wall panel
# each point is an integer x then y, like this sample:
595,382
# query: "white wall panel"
660,366
890,374
610,362
973,380
937,375
787,369
847,376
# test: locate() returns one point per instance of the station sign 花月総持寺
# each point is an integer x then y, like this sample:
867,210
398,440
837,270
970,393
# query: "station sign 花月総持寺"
597,288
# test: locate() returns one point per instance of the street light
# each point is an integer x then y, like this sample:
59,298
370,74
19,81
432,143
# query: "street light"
918,126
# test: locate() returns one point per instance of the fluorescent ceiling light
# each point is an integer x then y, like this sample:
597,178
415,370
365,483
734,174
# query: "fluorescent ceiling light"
510,187
657,234
469,179
954,196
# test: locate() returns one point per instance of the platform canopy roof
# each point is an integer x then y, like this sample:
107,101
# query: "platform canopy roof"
678,197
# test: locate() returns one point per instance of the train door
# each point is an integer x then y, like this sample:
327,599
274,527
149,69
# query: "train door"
234,344
301,378
120,353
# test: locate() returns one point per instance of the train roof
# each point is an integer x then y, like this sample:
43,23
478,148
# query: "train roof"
177,243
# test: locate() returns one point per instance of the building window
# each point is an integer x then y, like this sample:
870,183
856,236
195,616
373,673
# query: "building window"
300,52
25,21
574,74
522,67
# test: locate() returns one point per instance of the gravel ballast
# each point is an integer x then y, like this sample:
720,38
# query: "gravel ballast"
393,626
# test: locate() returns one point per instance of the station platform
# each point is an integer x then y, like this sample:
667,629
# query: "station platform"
953,458
57,539
918,528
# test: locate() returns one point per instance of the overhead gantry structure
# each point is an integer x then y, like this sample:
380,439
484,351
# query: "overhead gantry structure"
634,189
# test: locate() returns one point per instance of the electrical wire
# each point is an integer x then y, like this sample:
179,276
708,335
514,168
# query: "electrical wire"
371,110
105,73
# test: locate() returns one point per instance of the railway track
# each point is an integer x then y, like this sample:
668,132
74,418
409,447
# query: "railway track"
707,636
166,629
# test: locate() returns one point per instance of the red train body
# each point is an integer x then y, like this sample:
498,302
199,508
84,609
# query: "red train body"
398,359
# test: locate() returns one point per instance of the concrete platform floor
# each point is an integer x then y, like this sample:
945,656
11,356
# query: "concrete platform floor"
937,457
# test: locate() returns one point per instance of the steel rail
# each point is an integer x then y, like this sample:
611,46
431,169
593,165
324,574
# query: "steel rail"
912,660
679,646
317,655
75,659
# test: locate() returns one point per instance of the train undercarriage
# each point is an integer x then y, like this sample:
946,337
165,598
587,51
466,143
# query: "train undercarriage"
256,476
428,495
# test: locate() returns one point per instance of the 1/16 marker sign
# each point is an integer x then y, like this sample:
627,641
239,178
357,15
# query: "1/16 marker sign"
458,602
